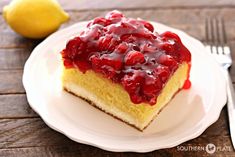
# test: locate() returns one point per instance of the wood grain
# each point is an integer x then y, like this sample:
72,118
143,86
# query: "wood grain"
28,132
196,17
13,58
31,135
15,106
10,39
11,81
16,133
147,4
137,4
195,27
84,151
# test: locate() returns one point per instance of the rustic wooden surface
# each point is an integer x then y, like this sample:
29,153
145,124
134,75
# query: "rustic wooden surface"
22,131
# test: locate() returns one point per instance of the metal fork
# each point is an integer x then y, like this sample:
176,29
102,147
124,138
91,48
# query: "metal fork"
216,43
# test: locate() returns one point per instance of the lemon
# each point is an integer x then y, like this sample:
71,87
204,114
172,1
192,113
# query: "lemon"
34,18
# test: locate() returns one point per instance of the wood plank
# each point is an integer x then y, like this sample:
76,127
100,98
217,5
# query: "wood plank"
147,4
84,151
133,4
15,106
192,23
27,137
11,39
29,132
52,151
33,132
11,81
13,58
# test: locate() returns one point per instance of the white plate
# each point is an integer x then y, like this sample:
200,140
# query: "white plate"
186,117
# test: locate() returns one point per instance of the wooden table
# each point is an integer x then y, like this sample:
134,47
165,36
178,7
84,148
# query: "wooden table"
22,131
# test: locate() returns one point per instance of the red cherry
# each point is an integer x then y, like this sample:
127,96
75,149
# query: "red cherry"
74,47
114,15
101,21
132,82
95,61
170,35
91,34
128,38
167,60
122,48
134,57
168,47
147,25
185,54
113,44
68,63
162,72
148,48
120,29
136,98
128,26
82,65
108,71
152,85
104,42
113,61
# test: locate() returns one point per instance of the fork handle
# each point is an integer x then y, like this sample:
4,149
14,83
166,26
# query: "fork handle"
231,106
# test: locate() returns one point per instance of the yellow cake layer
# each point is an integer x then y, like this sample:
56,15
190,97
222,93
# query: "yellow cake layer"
113,99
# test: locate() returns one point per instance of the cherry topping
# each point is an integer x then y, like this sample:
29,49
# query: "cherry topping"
151,87
122,48
74,46
132,83
187,84
168,61
129,52
134,57
162,72
114,15
101,21
148,25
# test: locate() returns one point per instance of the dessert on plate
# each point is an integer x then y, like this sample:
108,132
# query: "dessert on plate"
125,68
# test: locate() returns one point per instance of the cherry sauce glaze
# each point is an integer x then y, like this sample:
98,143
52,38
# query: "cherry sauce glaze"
129,52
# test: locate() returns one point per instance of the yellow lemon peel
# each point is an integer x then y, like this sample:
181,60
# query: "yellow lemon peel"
34,19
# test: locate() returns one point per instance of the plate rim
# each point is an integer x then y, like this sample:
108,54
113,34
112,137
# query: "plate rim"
29,95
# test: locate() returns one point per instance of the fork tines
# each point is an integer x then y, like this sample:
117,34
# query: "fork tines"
215,35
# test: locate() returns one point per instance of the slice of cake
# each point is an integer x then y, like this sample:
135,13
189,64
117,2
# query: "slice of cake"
121,66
